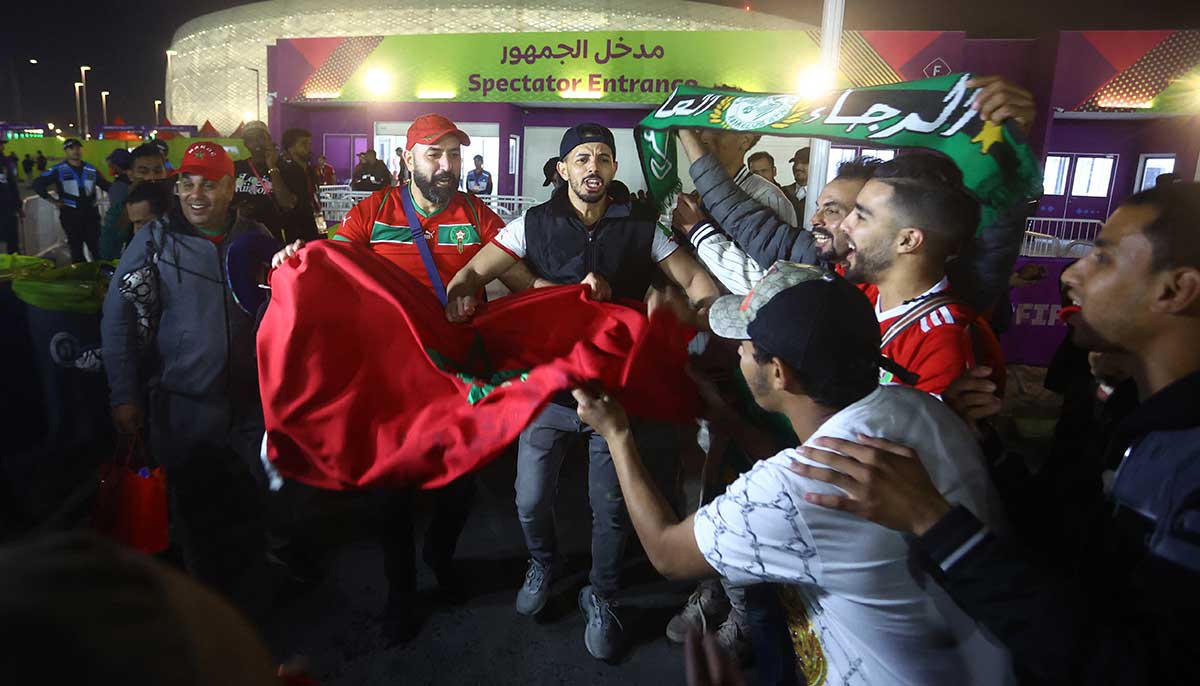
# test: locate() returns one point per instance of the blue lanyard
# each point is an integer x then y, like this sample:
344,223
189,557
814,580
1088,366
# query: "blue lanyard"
418,235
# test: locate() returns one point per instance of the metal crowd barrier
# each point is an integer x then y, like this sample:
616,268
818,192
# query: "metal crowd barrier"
1052,237
40,231
337,201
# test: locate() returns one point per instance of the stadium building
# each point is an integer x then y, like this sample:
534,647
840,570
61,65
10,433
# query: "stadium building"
219,69
1118,106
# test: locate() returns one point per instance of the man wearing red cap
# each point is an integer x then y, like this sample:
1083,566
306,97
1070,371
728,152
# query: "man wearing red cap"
205,415
456,226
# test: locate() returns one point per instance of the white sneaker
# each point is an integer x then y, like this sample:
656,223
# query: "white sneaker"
707,605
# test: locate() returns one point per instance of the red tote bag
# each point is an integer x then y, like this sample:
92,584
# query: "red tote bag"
131,506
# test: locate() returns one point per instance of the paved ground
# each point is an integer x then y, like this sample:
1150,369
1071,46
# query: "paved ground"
484,641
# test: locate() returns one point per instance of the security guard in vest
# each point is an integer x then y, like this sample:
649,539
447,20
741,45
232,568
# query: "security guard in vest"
589,232
75,182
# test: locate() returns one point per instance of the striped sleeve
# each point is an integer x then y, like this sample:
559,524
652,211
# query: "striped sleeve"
728,263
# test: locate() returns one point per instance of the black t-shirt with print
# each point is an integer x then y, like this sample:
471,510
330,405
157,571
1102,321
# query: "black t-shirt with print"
254,197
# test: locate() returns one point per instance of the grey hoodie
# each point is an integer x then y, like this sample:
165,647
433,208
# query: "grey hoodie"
205,342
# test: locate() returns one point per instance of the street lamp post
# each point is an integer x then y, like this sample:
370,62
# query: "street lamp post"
78,85
16,88
104,105
83,77
167,89
831,41
257,94
157,119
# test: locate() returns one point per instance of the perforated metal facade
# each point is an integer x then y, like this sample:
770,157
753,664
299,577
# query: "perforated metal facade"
210,75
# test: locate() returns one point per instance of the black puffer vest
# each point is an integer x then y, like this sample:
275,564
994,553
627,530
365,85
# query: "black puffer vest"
559,248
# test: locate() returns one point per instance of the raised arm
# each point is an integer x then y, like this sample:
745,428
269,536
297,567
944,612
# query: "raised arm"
723,258
755,227
284,195
991,257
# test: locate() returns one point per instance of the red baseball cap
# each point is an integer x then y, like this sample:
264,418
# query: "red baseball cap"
208,160
430,128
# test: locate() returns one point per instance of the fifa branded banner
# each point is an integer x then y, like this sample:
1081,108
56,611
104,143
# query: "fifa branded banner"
629,66
998,165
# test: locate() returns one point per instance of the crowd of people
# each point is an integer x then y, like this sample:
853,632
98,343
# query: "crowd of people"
858,524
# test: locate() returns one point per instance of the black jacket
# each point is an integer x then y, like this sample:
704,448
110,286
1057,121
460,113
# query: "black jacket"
1122,603
371,176
561,249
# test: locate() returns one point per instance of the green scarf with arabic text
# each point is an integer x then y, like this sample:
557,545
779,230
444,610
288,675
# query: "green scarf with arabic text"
998,166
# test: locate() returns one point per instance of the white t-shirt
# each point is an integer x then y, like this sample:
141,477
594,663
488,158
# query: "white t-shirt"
512,239
870,614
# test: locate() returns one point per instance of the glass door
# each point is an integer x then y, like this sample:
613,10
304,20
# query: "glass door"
485,141
1091,187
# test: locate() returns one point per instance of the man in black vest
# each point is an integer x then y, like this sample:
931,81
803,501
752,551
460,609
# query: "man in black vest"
588,232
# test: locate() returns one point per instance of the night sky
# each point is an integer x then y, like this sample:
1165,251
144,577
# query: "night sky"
124,41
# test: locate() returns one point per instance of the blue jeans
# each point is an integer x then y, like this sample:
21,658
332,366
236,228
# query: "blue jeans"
540,455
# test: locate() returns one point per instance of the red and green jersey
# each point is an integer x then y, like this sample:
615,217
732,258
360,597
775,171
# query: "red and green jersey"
939,347
454,234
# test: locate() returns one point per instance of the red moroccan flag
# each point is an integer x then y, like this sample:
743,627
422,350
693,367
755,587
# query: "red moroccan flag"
364,382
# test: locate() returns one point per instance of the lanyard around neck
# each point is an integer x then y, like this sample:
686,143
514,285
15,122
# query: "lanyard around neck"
261,184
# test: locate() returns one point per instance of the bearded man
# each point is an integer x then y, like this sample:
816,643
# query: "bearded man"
456,226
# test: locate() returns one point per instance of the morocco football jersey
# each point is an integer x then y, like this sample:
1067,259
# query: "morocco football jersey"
454,234
939,347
